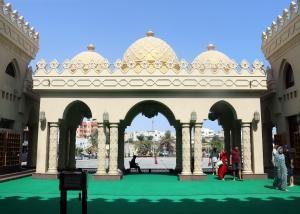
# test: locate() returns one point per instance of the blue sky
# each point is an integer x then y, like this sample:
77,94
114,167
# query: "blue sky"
67,27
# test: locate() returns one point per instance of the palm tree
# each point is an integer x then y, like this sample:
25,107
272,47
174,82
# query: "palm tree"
167,140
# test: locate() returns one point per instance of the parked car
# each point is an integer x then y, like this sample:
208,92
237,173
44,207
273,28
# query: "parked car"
164,153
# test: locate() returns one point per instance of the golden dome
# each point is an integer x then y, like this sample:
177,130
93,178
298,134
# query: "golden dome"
213,56
149,49
86,57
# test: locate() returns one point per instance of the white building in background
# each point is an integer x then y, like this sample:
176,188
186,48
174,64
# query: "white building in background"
208,132
82,143
156,134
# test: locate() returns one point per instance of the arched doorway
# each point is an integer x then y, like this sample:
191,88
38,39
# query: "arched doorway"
150,109
31,135
267,127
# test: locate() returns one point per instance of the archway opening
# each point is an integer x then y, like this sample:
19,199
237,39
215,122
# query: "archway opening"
150,134
71,124
230,135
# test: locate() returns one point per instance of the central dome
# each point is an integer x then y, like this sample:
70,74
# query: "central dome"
149,49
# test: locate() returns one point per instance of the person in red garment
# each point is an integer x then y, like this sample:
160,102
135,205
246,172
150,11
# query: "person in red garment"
223,167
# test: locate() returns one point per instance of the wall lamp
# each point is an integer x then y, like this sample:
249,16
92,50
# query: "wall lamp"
193,116
105,117
256,117
42,116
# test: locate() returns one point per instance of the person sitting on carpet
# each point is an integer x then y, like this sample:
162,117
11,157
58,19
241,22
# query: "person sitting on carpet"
133,164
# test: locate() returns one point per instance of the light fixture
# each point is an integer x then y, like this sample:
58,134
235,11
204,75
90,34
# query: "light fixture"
298,118
193,116
256,117
42,116
212,116
105,117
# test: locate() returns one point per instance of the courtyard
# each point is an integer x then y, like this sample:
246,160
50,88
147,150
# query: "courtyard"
151,193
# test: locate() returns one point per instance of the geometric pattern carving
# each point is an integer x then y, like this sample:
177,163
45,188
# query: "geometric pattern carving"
101,149
53,147
198,149
66,64
113,150
170,64
246,147
157,64
105,63
144,64
245,65
41,64
54,64
163,82
183,64
186,156
118,63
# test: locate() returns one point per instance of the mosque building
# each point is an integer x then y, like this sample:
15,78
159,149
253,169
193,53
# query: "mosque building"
245,99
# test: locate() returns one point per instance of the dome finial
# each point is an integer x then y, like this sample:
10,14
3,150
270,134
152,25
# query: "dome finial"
91,47
210,47
150,33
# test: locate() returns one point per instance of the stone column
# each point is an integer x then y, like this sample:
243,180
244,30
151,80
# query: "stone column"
113,150
101,150
121,148
52,169
72,161
62,145
246,138
186,153
198,149
178,149
227,142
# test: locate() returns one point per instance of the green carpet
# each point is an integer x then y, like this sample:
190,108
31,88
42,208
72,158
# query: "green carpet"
151,193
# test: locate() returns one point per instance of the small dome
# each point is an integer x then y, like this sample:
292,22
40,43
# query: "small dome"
213,56
87,56
150,49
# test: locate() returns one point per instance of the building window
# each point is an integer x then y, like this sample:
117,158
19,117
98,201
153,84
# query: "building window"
3,94
10,97
284,98
10,70
295,94
6,124
293,127
14,98
289,77
7,96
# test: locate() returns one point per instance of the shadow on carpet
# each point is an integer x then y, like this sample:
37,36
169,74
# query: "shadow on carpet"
174,205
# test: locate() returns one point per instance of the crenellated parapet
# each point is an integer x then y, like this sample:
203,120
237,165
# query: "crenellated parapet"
15,31
104,75
281,32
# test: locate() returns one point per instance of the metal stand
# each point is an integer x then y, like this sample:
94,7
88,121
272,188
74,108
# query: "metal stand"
73,181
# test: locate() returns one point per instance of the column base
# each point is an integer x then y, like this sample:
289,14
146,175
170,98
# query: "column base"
192,177
46,176
260,176
106,177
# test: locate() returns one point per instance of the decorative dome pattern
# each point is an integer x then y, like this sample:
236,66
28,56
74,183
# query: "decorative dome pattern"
87,57
149,49
213,56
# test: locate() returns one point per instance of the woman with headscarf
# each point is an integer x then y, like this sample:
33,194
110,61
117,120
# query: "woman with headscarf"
280,170
223,167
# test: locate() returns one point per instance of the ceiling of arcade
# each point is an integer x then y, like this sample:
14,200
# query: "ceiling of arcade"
149,63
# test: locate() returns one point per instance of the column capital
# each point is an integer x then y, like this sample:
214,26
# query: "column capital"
185,125
114,125
100,125
53,124
198,125
246,124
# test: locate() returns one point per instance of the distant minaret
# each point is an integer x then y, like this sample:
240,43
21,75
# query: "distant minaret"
153,124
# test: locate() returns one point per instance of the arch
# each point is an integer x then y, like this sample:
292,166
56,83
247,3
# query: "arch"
286,75
142,106
10,70
76,111
223,106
